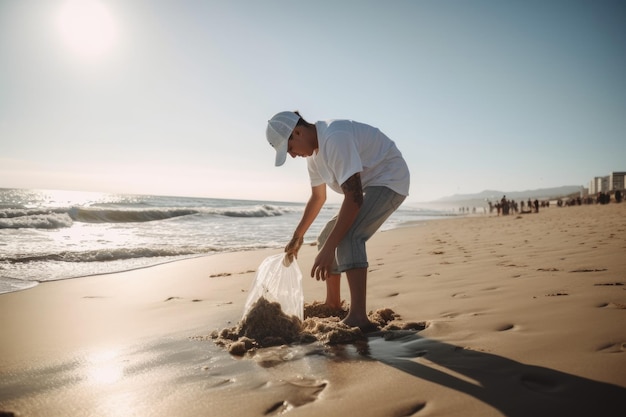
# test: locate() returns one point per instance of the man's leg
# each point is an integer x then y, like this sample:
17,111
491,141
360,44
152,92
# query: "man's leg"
333,287
357,316
333,293
378,204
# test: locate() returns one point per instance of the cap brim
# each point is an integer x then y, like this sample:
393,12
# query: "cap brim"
281,155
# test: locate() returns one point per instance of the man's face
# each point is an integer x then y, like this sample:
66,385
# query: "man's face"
301,142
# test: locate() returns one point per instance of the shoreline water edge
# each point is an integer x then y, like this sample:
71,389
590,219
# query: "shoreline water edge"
48,235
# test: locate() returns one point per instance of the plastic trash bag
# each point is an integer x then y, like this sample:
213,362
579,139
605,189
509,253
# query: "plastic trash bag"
278,283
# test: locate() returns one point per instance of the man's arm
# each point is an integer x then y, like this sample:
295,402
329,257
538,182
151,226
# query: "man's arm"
353,189
312,209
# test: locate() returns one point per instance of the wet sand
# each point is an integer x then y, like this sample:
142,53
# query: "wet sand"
523,315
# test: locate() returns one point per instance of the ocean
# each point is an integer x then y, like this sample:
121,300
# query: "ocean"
50,235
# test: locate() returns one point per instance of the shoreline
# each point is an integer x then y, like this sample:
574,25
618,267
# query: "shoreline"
129,268
525,317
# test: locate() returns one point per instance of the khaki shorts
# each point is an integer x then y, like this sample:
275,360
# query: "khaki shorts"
378,204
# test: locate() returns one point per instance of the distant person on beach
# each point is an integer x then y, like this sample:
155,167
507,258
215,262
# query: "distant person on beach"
363,164
505,206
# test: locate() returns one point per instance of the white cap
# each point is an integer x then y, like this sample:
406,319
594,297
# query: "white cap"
279,129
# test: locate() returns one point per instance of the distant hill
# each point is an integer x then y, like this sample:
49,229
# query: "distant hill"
541,194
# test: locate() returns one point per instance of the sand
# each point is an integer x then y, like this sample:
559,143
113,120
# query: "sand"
515,316
266,325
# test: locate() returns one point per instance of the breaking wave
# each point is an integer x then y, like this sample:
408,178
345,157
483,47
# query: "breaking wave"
35,220
94,215
264,210
61,218
105,255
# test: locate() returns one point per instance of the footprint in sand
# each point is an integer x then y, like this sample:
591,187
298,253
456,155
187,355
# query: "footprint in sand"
195,300
222,382
297,393
590,270
409,410
511,265
222,274
505,327
612,305
612,348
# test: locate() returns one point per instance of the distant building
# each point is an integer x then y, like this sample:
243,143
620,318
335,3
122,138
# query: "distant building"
612,182
598,185
616,181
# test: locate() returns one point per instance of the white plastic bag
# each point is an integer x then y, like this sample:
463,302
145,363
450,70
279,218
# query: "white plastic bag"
278,283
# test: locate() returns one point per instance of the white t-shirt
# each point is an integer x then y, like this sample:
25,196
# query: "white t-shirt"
346,147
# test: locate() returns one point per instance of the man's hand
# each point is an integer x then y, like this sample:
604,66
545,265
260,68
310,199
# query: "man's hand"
323,264
292,249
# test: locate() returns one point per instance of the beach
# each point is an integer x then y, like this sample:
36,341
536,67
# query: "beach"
525,316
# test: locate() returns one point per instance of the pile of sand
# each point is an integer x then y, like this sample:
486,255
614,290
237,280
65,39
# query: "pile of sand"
318,309
267,325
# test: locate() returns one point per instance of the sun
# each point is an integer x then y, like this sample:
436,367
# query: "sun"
87,28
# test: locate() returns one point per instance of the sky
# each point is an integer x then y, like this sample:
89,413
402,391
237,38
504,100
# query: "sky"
173,97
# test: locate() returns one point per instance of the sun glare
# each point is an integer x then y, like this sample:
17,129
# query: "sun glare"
103,367
87,28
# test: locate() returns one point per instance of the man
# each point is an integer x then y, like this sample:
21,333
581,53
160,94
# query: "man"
360,162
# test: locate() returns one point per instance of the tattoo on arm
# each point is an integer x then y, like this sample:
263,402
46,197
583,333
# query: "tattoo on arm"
352,187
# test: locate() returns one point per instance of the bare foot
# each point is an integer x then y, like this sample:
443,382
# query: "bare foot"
366,326
333,305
